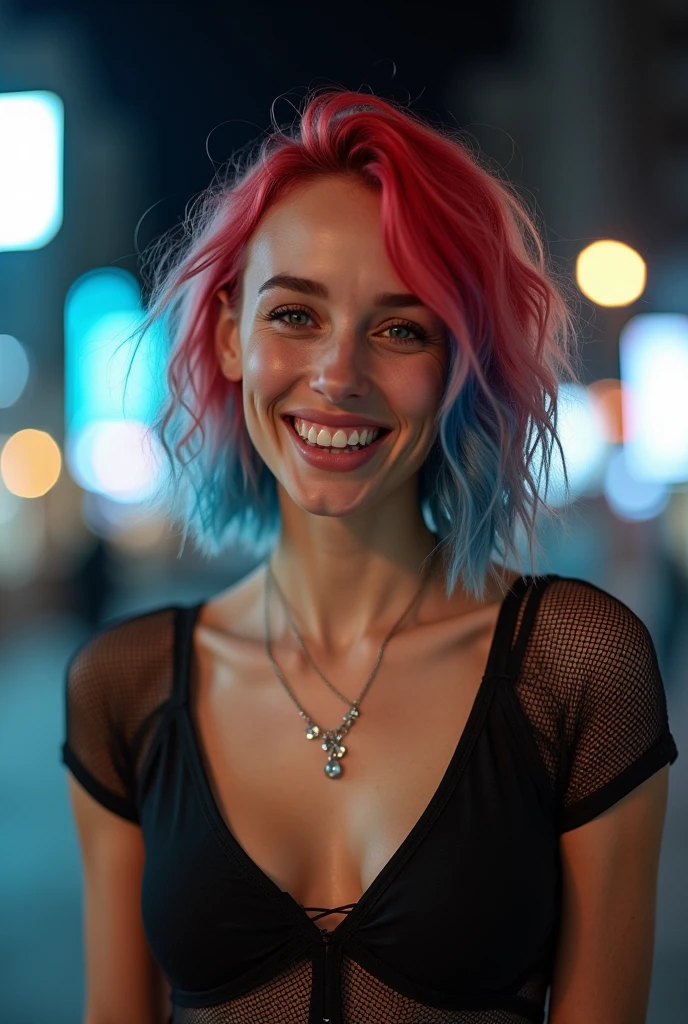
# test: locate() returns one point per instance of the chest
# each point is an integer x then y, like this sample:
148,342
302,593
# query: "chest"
325,840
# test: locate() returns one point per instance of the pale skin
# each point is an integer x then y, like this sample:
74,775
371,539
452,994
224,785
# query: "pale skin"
348,558
348,562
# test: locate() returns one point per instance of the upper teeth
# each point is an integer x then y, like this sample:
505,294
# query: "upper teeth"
320,435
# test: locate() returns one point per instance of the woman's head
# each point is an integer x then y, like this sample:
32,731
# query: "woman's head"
321,334
363,198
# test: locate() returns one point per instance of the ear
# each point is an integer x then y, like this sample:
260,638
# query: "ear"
227,344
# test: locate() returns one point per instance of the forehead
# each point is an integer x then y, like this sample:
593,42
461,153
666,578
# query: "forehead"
325,227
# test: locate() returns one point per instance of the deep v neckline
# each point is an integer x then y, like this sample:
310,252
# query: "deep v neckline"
496,669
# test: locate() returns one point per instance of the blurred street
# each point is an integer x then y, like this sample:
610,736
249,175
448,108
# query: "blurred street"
113,119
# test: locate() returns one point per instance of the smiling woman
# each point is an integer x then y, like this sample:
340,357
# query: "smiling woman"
366,339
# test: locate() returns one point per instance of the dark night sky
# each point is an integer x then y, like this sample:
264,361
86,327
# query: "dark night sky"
184,68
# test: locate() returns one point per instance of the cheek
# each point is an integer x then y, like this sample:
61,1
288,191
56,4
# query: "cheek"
268,369
416,394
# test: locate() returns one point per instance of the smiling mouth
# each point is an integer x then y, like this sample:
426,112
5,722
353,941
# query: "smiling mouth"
383,432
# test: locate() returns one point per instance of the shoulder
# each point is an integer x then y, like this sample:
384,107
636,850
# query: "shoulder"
590,678
143,633
585,625
589,683
124,653
594,655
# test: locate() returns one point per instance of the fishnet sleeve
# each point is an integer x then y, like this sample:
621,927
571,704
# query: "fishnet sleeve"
94,749
619,730
117,686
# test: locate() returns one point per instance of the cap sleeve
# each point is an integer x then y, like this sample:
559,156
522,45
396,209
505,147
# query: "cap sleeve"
620,735
117,686
94,748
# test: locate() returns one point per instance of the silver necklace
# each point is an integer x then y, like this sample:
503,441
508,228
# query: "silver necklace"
331,738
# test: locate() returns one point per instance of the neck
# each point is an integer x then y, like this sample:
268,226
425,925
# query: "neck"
350,578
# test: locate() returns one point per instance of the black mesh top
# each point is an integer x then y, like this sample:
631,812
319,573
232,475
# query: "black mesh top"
461,925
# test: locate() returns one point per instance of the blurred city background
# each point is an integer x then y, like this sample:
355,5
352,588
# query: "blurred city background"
112,118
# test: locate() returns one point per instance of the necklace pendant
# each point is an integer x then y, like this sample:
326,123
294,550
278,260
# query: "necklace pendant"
332,746
351,714
333,769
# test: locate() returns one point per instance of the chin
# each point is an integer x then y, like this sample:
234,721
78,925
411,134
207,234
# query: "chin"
333,502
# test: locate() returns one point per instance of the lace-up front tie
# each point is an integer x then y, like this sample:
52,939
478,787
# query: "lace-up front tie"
323,911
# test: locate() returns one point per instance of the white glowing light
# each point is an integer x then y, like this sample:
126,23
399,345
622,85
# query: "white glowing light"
114,458
31,158
653,350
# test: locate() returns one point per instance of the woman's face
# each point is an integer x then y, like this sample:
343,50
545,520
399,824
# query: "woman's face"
341,340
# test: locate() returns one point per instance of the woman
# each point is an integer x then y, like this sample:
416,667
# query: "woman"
469,811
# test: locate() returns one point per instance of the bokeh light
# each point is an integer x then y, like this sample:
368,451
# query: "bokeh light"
31,143
611,273
102,309
117,458
30,463
653,357
113,386
14,370
607,398
581,433
629,498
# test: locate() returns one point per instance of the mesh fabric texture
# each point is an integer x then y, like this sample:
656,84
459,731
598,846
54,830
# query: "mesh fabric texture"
590,688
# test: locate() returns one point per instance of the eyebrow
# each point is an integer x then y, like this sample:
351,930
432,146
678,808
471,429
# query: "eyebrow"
308,287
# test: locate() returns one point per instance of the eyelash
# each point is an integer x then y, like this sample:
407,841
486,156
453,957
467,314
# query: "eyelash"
421,335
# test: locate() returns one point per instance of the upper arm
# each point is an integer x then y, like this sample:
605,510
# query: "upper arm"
123,982
603,964
114,684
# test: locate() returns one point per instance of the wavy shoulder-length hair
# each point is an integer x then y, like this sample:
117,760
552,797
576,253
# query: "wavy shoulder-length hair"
458,237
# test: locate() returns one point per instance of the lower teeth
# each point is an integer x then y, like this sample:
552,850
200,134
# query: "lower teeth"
331,448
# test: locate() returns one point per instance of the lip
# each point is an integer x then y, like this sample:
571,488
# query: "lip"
331,419
323,458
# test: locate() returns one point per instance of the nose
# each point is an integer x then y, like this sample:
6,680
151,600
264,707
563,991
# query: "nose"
340,370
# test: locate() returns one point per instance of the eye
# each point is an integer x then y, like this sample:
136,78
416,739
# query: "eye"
408,325
282,311
419,334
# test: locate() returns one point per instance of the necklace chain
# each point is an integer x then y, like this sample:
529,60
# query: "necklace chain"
285,606
331,738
